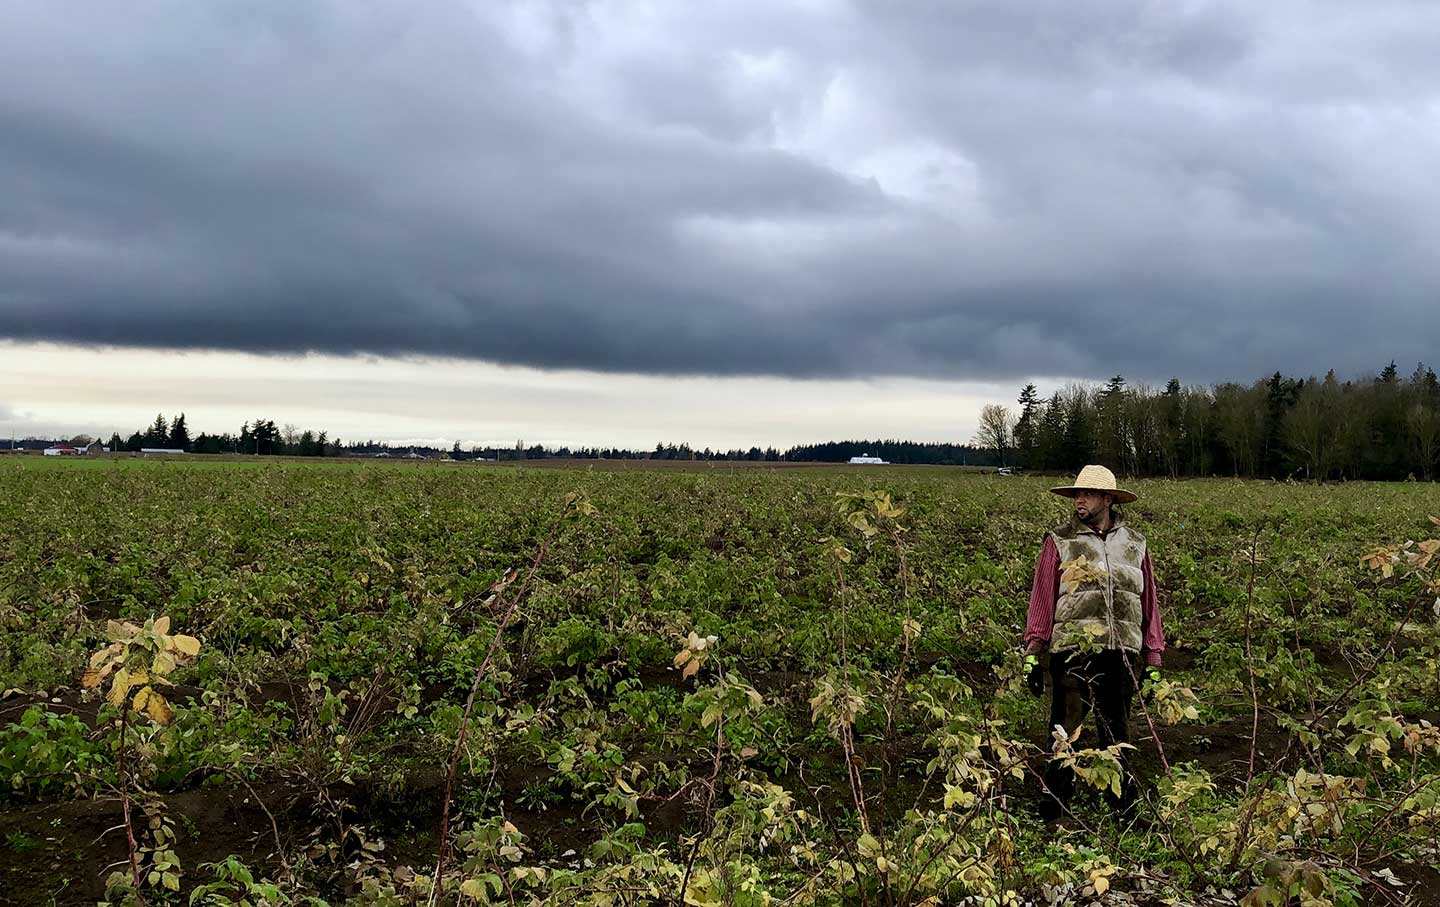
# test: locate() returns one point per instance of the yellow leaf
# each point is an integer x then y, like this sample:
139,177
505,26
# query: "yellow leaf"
119,687
911,629
188,646
162,625
141,698
108,668
90,679
681,657
690,669
164,663
158,709
107,652
1101,884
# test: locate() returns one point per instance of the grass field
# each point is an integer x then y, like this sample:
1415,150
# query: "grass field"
715,685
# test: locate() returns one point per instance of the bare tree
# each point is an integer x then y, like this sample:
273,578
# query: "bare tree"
996,431
1423,425
1240,414
1144,429
1310,429
1352,434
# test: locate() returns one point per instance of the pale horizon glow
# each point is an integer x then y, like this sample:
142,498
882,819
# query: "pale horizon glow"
53,390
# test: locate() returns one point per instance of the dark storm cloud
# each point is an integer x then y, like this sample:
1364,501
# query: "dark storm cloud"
816,189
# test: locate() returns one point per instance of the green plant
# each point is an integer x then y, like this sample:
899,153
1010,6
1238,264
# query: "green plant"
45,753
140,659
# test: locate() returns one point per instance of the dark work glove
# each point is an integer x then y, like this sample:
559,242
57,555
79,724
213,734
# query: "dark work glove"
1034,675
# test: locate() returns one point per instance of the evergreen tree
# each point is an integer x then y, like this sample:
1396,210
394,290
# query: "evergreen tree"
260,437
1051,437
179,434
1280,396
1386,455
158,435
115,444
1113,439
1026,426
1078,445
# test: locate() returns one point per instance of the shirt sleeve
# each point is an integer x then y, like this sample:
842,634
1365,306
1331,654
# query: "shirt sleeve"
1151,631
1041,618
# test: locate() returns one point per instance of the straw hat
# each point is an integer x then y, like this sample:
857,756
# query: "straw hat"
1095,478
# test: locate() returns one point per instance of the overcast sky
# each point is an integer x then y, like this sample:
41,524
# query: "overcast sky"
791,205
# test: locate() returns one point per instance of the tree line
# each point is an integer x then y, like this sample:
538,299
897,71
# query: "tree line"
264,437
259,437
894,451
1383,427
662,451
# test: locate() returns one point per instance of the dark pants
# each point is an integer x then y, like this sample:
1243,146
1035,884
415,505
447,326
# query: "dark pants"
1081,683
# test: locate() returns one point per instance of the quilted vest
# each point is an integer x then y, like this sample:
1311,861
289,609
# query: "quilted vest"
1105,603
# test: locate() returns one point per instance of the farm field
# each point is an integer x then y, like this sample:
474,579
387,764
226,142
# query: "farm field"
714,686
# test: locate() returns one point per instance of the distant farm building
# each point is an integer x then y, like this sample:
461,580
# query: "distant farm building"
866,458
69,450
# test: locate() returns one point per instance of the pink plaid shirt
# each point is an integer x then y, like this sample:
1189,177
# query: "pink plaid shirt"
1045,591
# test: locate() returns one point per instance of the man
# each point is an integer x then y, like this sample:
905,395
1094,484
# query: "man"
1093,607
